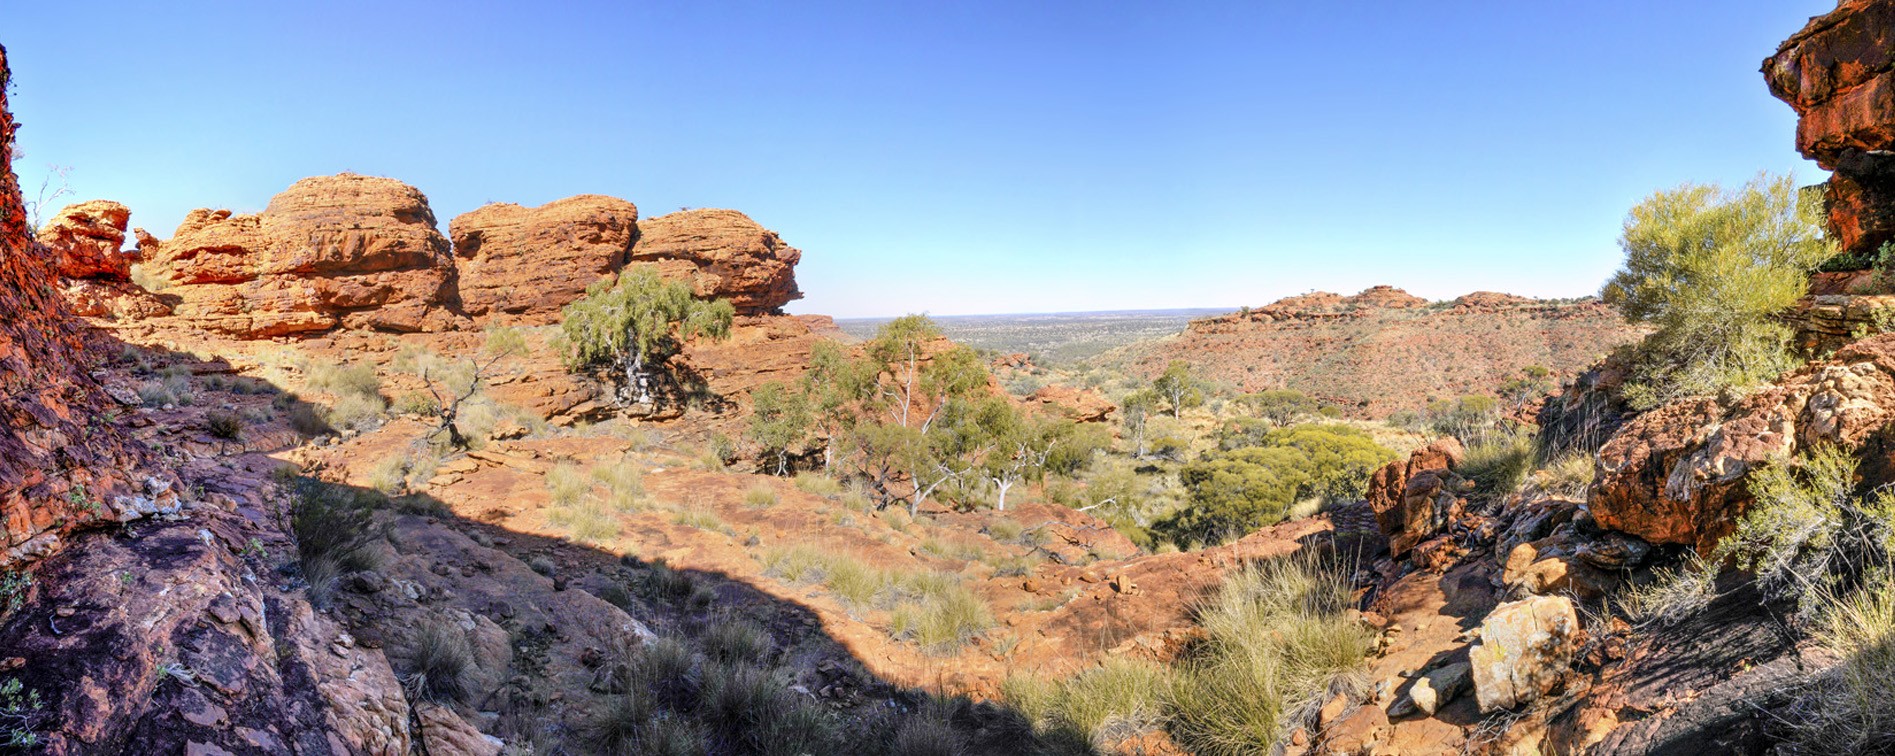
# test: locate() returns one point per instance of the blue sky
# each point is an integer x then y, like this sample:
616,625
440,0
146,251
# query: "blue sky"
954,158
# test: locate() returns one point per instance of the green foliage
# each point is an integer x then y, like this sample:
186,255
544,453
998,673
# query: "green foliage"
14,587
1279,639
1470,418
1708,268
635,326
224,425
1280,407
1808,534
1178,387
1498,465
1845,708
22,713
335,533
780,423
438,664
1235,491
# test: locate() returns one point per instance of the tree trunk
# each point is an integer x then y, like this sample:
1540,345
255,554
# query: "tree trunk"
1003,484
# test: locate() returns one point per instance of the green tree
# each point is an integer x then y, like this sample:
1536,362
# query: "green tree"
779,422
1708,268
1135,417
1178,387
1280,406
1232,492
632,328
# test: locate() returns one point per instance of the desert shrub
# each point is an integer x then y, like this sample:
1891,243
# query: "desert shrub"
801,563
702,519
586,519
663,583
1673,595
1234,491
1005,531
1569,476
22,713
947,549
417,403
735,640
1279,639
14,586
543,565
1179,388
389,476
780,424
760,495
355,412
943,615
1808,534
1845,708
224,425
304,418
1708,269
1471,418
624,484
818,484
358,379
566,484
1100,706
1498,465
929,731
334,532
852,581
439,664
1279,407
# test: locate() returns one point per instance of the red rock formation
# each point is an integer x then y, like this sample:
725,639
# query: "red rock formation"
331,251
62,465
1680,473
1080,405
1839,75
85,241
521,265
724,254
1415,497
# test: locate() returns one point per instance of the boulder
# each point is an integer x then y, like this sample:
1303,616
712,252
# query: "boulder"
1679,474
1077,404
1525,650
1415,497
1838,73
85,240
521,265
344,251
724,254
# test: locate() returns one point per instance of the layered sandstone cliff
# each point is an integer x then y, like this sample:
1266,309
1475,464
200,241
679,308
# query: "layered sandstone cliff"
521,264
331,251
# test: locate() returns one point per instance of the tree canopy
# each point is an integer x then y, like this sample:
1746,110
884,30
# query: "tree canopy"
632,328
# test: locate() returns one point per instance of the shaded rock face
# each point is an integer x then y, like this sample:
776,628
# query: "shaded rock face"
331,251
62,464
521,265
1838,73
1680,473
1415,497
723,253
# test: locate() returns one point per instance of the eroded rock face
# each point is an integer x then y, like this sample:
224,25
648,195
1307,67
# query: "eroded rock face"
521,265
85,239
331,251
62,463
724,254
1415,497
1081,405
1839,75
1680,473
1525,650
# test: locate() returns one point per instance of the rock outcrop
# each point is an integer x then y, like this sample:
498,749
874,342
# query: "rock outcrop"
1838,73
86,242
723,253
343,251
1525,651
1080,405
521,265
63,462
1414,498
1679,474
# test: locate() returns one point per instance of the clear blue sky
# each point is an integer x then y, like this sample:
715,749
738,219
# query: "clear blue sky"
963,157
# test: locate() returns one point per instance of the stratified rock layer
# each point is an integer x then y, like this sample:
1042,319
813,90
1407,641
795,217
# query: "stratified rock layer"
723,253
63,463
520,264
85,239
331,251
1839,75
